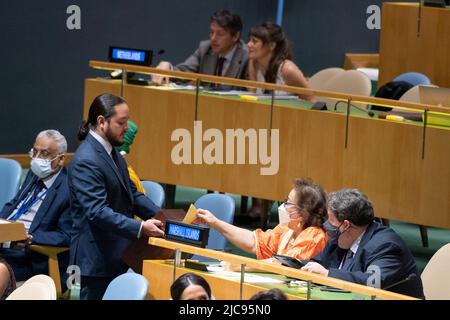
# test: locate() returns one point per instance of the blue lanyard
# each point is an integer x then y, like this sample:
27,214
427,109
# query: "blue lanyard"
27,204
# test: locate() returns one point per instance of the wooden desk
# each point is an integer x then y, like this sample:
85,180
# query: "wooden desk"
160,276
406,45
382,158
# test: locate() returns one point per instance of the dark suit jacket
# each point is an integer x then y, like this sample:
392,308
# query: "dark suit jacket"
52,224
204,60
382,247
103,201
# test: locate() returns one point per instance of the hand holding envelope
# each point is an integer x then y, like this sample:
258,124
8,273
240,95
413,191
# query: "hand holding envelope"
199,216
191,215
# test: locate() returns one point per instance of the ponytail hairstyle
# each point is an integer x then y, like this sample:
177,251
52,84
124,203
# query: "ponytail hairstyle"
103,105
270,32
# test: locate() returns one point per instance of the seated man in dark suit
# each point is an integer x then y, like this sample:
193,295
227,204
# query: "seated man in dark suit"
224,54
42,205
364,251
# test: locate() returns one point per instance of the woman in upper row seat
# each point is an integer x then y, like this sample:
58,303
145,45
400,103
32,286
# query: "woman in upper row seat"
270,59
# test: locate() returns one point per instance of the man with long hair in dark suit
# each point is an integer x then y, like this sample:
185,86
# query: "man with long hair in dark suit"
104,199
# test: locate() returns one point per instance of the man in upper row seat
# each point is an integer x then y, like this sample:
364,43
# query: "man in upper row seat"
224,54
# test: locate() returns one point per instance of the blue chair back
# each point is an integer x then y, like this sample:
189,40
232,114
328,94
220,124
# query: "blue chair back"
222,206
155,192
415,78
10,173
127,286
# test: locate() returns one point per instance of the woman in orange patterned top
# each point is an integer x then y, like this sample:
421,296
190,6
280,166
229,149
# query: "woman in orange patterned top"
301,235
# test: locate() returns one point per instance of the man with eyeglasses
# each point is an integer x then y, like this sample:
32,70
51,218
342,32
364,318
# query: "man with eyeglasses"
42,205
362,250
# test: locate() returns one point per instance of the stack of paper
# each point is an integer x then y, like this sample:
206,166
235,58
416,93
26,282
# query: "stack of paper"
228,93
249,278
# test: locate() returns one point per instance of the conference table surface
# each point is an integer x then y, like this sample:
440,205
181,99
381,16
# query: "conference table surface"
294,102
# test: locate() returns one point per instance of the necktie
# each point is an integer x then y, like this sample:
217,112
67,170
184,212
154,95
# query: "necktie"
30,200
219,66
114,157
347,261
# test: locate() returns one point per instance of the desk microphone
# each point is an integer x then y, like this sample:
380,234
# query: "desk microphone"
369,113
408,278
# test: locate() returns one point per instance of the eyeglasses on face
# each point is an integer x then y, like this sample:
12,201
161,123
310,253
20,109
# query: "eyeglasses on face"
288,204
42,154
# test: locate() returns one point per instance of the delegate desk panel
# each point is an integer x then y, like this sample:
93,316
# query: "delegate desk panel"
382,158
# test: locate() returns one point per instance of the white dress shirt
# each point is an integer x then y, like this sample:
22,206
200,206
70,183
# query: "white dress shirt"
27,217
353,249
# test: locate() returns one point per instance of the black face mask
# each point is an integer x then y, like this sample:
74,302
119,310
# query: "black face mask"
333,232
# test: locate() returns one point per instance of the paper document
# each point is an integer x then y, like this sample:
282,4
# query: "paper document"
191,215
253,94
173,86
229,93
164,88
279,97
249,278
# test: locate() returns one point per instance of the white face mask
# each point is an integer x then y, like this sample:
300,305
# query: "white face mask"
42,167
283,215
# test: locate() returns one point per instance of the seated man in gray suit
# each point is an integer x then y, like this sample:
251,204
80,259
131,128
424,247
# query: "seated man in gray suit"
224,54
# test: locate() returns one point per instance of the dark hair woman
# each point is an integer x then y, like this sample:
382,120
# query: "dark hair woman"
190,286
270,58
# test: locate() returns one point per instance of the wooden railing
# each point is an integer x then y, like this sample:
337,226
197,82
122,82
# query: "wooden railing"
255,84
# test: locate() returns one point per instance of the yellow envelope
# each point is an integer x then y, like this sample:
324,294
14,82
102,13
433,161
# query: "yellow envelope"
191,215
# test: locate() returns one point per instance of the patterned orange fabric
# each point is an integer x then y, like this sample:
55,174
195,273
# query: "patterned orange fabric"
308,243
